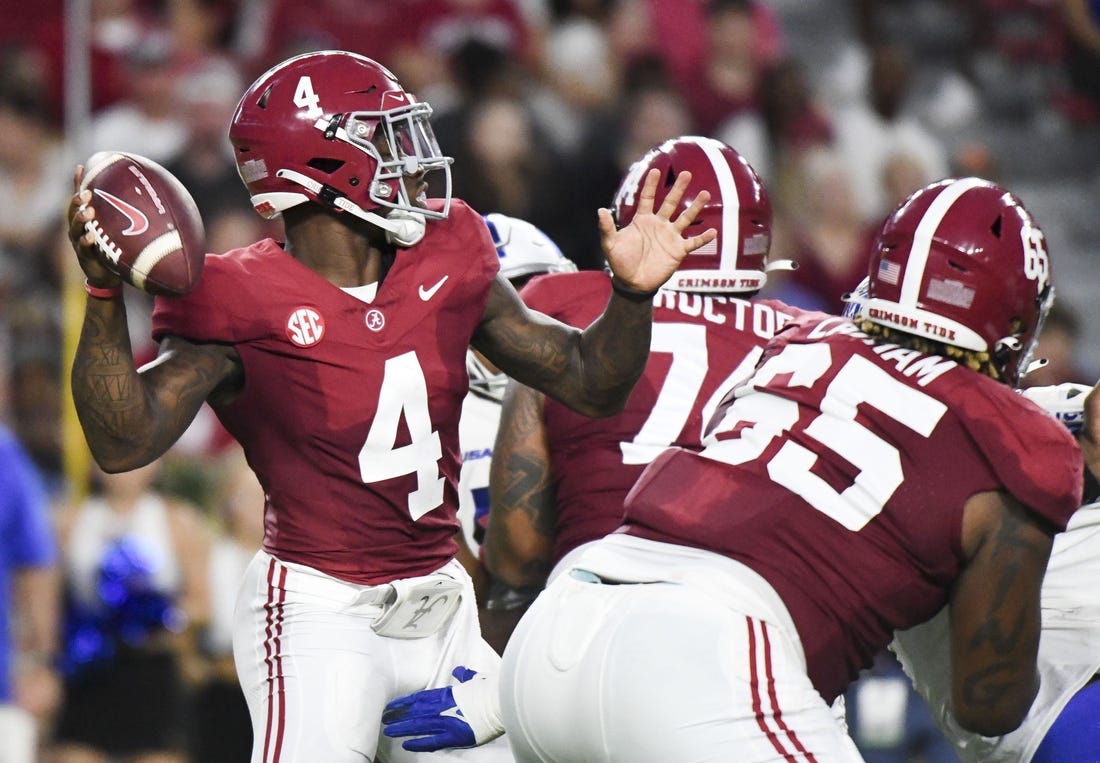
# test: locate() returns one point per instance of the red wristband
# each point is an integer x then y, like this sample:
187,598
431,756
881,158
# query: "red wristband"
100,292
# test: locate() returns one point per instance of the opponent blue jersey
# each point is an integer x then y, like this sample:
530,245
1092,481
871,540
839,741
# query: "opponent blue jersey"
26,537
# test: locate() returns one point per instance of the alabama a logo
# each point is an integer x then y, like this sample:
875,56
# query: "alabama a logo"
375,320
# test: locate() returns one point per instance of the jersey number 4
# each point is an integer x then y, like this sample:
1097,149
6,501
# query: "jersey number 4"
404,393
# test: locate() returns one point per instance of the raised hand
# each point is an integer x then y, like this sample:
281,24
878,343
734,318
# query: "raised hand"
645,253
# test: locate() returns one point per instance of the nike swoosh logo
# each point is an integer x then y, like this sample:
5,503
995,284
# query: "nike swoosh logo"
139,223
426,294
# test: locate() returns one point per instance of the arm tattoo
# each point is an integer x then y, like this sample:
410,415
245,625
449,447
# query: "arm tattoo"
523,510
521,479
617,345
591,371
106,388
527,488
987,687
1008,634
130,418
529,492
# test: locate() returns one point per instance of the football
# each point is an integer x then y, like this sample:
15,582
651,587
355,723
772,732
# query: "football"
146,223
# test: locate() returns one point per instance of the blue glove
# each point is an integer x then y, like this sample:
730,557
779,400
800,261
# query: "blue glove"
466,714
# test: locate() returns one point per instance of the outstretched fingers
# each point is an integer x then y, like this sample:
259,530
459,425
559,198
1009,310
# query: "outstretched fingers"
693,243
675,194
648,192
607,223
687,217
671,201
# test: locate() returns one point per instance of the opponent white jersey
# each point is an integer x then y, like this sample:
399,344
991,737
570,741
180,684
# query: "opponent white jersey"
1069,648
477,432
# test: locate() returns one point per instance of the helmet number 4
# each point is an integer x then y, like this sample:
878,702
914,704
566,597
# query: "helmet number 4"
306,98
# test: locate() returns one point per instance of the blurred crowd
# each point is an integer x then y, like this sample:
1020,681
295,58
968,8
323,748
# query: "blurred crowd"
543,104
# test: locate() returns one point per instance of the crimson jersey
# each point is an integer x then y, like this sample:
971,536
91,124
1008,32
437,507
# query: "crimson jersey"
700,343
840,474
349,411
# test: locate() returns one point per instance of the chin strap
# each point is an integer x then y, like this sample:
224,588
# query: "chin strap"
781,265
403,228
1034,365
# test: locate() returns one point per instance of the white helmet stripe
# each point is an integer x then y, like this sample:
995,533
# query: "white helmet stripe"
925,232
731,202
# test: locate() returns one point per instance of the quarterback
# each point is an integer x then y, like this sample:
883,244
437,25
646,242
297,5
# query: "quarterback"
337,358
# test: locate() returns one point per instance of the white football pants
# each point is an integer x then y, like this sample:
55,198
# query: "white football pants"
316,677
700,662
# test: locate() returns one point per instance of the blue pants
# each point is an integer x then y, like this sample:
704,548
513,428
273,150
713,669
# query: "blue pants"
1075,736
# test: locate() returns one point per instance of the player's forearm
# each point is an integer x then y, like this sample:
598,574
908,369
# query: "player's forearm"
590,371
614,349
522,526
517,566
110,401
519,540
995,618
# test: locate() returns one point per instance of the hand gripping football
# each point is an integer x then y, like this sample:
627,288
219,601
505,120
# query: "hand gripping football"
146,224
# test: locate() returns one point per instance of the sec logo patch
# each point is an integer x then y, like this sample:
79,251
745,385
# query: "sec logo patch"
305,327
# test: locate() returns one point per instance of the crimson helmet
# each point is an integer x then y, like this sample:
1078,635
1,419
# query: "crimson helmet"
337,129
962,262
739,209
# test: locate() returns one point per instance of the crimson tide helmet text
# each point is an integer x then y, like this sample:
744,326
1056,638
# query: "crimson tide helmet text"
739,209
962,262
337,128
